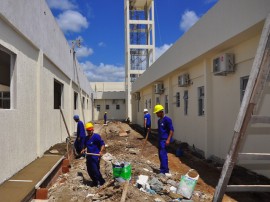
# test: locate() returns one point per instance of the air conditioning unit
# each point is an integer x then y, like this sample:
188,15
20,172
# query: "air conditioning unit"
137,96
183,80
223,64
158,88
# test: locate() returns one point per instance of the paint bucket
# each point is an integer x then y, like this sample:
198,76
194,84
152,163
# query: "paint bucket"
121,170
187,184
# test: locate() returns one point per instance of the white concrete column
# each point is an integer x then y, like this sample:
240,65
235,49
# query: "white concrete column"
38,106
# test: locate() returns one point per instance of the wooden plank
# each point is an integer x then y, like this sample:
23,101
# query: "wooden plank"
254,156
248,188
64,121
124,194
260,119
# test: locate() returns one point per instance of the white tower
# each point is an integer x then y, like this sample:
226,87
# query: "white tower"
139,42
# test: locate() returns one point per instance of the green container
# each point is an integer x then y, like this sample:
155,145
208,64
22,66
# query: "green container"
123,171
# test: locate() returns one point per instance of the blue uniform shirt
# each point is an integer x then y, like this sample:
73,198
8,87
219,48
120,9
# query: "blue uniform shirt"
94,143
80,130
147,116
164,127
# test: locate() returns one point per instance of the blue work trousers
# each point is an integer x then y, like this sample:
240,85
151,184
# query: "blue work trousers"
79,144
163,157
93,169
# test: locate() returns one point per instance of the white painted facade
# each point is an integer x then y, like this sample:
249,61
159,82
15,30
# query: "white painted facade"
40,56
109,97
229,27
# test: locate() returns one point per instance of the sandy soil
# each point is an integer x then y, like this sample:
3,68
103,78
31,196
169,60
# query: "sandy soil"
125,143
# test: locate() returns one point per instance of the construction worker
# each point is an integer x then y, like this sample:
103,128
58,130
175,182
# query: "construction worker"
165,133
93,145
105,118
79,142
147,122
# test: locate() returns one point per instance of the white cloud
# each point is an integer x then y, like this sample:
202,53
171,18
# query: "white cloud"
101,44
188,19
84,51
72,21
61,4
162,49
103,72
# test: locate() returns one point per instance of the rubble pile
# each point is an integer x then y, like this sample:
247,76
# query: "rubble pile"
124,145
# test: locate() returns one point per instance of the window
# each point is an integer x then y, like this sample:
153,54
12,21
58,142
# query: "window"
87,104
83,102
157,101
75,100
146,103
7,60
185,97
117,107
150,104
166,104
177,97
107,106
58,94
243,86
98,108
201,101
4,100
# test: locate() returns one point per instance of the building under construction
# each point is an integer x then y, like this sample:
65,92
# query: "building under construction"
201,88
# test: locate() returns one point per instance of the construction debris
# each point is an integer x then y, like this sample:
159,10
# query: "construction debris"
143,183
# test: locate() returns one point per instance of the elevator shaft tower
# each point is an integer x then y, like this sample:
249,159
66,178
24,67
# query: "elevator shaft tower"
139,42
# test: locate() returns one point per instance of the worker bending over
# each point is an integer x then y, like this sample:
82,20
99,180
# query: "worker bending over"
79,142
165,133
95,145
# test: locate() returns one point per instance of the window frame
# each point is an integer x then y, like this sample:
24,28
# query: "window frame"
12,79
243,86
61,95
185,97
201,103
177,99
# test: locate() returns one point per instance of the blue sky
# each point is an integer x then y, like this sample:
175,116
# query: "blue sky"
99,24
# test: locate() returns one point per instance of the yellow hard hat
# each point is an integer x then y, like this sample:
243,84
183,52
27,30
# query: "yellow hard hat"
158,108
89,126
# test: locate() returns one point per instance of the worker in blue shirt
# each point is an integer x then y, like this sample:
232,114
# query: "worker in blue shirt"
147,122
165,133
94,147
79,142
105,118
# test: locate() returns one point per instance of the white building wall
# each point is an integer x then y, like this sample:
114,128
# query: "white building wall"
28,30
112,94
230,27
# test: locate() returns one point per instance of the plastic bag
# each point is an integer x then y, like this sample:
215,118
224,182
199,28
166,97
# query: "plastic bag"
187,184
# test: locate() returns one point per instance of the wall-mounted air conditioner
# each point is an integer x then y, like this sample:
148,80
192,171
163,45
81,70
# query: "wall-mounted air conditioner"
183,80
223,64
158,88
137,96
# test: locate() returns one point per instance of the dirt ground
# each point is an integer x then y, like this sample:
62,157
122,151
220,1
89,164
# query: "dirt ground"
124,142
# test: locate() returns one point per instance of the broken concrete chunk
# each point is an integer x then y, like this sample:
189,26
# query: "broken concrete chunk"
54,151
108,157
155,184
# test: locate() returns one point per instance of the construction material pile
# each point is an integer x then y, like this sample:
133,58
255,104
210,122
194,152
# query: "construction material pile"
140,179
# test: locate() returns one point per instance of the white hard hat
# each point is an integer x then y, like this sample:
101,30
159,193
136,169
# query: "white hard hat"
145,110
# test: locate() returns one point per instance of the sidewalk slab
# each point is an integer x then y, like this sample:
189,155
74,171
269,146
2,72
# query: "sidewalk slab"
21,186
